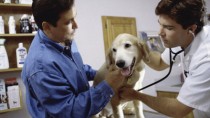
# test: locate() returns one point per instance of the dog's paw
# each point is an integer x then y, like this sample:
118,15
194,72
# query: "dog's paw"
129,111
103,117
111,116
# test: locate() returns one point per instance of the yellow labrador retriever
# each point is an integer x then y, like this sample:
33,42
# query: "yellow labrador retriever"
126,54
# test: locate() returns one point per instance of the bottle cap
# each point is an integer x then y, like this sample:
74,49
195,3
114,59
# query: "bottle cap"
11,18
20,45
2,40
24,16
32,18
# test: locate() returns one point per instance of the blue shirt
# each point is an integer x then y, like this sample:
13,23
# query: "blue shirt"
57,82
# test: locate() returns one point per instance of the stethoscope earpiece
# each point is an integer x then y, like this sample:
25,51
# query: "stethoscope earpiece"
191,32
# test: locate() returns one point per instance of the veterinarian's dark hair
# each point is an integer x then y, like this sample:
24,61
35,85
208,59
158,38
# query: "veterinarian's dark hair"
184,12
49,10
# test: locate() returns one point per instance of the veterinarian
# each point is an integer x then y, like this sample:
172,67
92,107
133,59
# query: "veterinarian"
54,75
181,27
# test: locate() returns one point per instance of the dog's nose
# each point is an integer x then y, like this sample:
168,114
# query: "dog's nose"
120,63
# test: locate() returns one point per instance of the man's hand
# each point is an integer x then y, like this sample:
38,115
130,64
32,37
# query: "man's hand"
128,93
115,79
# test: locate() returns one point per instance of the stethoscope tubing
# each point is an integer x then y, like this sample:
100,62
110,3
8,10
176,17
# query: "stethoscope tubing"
172,60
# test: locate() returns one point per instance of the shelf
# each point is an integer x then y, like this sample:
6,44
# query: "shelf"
12,40
8,110
14,109
18,35
12,5
10,70
15,7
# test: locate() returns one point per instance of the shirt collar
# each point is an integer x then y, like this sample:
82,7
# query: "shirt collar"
47,41
202,35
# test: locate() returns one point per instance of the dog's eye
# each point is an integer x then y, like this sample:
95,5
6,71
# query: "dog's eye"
127,45
114,50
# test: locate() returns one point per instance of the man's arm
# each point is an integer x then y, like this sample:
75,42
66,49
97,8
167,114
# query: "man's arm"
153,59
168,106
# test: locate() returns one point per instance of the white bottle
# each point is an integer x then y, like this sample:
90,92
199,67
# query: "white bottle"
34,26
25,1
11,24
2,31
21,54
7,1
4,63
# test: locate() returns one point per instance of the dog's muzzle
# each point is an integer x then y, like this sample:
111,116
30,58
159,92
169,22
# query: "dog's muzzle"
126,71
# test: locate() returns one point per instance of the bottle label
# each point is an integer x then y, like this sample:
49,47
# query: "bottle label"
3,58
22,56
2,27
25,26
12,26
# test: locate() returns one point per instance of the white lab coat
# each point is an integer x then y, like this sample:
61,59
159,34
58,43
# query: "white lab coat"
195,91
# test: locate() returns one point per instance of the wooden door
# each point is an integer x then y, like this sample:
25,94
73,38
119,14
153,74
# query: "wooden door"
113,26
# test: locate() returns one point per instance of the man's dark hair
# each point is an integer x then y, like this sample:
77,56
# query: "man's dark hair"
49,10
184,12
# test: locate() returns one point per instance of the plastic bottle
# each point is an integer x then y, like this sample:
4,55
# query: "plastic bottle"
11,24
25,1
21,54
4,63
33,25
7,1
2,31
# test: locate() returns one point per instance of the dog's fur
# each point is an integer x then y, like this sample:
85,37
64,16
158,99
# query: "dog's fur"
126,54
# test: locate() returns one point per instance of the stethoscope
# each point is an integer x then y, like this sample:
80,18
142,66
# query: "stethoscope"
172,60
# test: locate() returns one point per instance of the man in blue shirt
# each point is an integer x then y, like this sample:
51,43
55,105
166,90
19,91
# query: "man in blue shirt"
55,77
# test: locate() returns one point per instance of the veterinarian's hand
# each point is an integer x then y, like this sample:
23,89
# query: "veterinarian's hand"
128,93
115,79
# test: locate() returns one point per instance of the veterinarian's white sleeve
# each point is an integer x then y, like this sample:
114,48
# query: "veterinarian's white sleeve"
165,56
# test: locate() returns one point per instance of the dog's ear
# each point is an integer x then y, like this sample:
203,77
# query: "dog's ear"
145,51
109,59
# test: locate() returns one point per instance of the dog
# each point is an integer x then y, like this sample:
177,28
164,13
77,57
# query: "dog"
126,54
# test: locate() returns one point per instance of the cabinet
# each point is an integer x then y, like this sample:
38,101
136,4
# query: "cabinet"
12,40
172,95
